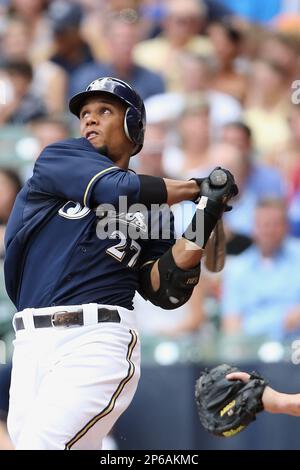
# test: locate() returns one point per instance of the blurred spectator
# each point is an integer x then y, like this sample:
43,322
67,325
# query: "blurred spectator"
165,109
267,276
294,214
118,5
10,185
49,81
22,105
181,30
40,133
151,14
236,243
149,160
266,106
197,75
190,158
49,130
93,26
288,23
217,10
288,20
70,50
283,50
121,36
287,159
227,42
34,13
238,134
254,10
253,38
15,39
5,371
255,181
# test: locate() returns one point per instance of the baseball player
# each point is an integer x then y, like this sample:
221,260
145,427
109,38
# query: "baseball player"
273,401
76,362
229,400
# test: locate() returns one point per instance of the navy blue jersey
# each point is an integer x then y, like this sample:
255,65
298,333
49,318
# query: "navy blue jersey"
53,253
5,372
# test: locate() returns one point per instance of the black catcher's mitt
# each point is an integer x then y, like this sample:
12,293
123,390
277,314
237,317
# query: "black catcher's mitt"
226,407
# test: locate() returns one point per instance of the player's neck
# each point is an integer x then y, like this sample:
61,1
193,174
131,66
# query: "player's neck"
122,162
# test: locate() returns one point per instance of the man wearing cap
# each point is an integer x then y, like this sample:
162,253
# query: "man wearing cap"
70,50
74,259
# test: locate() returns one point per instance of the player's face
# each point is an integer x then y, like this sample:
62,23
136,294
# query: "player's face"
102,124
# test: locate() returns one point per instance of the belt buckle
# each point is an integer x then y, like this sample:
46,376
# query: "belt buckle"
60,322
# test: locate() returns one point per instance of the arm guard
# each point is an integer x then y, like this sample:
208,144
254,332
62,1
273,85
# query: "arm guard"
176,285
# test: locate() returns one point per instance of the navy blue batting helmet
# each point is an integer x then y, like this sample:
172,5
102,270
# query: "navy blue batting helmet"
135,116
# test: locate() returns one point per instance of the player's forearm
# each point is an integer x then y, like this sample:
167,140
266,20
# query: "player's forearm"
143,189
154,190
181,191
276,402
292,404
186,255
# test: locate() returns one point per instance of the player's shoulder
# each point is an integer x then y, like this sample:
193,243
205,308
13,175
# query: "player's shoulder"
72,148
73,143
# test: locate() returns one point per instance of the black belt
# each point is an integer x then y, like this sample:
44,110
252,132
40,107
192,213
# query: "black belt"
64,318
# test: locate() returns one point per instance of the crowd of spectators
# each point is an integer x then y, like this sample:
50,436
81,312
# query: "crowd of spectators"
217,78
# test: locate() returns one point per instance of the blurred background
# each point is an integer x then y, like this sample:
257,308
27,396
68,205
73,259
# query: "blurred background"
219,80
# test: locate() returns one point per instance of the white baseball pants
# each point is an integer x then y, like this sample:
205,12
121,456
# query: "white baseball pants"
70,385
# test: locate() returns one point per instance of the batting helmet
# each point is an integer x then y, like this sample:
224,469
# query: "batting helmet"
135,116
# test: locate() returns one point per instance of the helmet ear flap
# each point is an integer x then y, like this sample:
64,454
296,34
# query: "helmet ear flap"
134,126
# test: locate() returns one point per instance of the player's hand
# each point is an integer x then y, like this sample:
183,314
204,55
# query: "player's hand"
243,376
271,399
226,407
219,186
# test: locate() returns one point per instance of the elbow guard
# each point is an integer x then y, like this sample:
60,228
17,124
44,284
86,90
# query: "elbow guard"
176,285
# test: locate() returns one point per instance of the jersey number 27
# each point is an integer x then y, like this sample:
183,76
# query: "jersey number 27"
124,246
